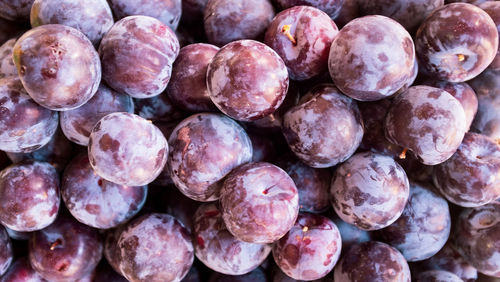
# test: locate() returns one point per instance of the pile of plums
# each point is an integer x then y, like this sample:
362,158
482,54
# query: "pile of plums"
237,140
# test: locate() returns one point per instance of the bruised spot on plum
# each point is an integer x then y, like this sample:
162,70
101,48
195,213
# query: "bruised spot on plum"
63,267
291,254
108,144
93,209
383,57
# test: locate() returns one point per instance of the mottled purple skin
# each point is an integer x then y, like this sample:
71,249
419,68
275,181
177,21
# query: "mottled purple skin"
487,88
166,127
278,276
29,196
437,276
58,66
247,80
7,66
259,203
58,152
348,12
448,259
456,42
415,170
468,178
312,184
220,250
21,271
374,139
411,79
204,149
15,10
127,149
188,87
310,249
137,55
410,14
325,128
476,237
350,234
65,251
155,247
6,253
313,31
330,7
91,17
372,261
166,11
371,58
97,202
423,228
427,121
257,275
493,9
78,123
25,126
230,20
157,108
359,191
462,92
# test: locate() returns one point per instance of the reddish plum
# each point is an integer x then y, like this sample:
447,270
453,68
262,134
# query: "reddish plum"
155,247
58,66
230,20
25,126
359,191
188,87
371,58
65,251
310,249
29,196
456,42
302,36
259,203
204,148
428,121
219,249
247,80
468,178
91,17
127,149
137,56
372,261
325,128
97,202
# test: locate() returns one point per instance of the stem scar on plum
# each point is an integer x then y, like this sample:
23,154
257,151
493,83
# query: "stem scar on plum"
286,31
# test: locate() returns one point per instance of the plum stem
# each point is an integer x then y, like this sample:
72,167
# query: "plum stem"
286,31
305,228
403,154
55,244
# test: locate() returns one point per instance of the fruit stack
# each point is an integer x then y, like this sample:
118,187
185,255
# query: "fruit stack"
262,140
